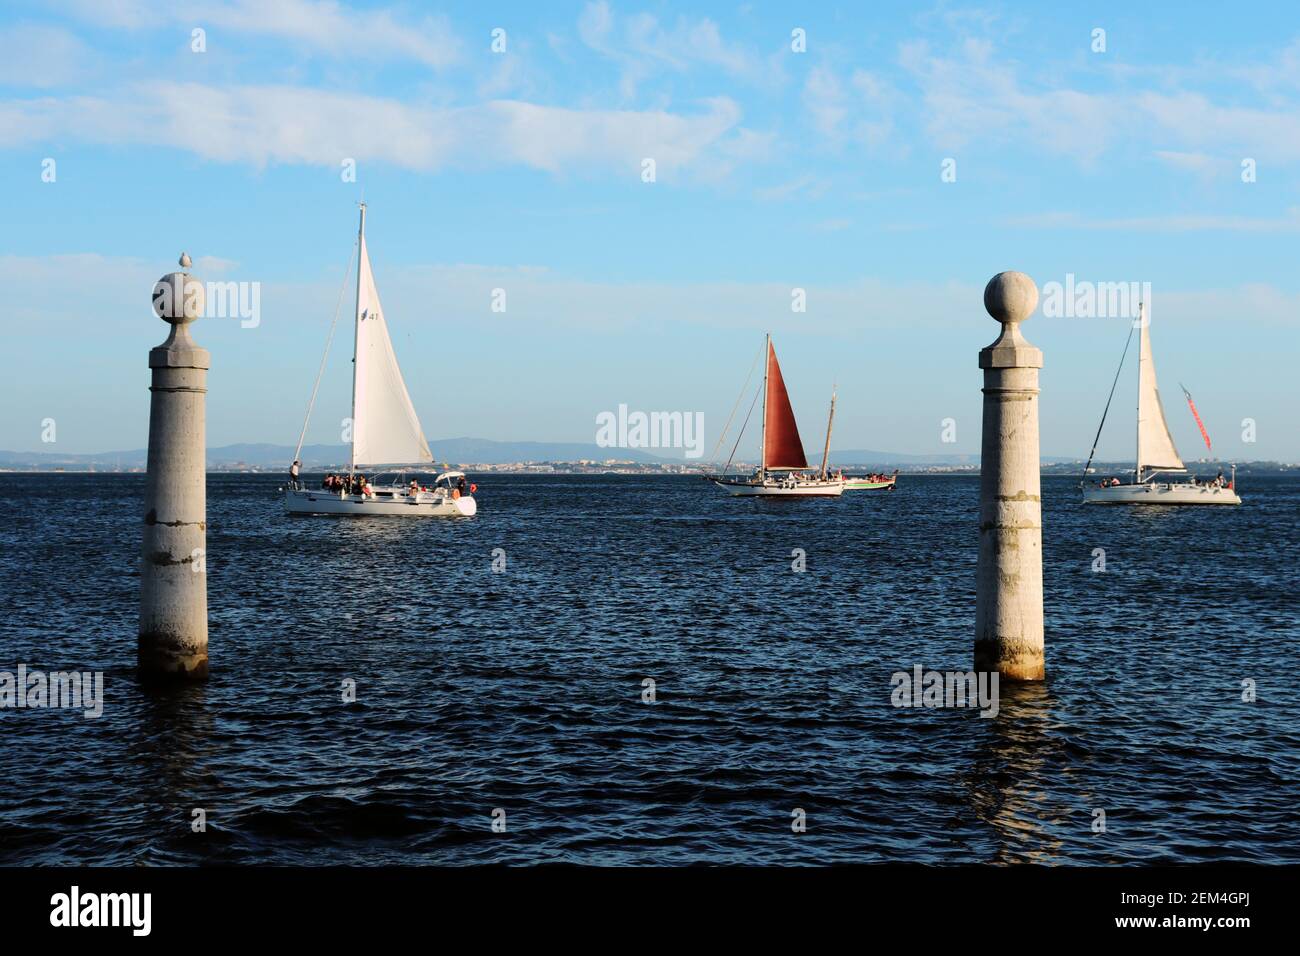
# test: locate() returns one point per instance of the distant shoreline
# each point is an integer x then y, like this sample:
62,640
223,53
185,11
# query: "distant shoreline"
544,469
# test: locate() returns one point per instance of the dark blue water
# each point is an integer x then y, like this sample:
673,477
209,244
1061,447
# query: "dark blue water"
522,690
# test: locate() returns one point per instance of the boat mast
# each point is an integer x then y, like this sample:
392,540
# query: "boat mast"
356,333
826,452
1137,454
762,441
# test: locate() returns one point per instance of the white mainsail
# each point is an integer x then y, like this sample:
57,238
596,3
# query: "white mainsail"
1155,446
385,428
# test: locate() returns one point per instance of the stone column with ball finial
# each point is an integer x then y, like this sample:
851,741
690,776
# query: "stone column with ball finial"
1009,582
173,640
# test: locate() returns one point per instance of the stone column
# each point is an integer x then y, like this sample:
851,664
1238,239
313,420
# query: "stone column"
1009,583
173,639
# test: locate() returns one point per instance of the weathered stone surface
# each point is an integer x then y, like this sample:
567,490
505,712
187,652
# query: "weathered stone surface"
173,635
1009,583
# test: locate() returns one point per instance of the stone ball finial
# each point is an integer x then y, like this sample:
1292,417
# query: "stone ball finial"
1010,297
178,298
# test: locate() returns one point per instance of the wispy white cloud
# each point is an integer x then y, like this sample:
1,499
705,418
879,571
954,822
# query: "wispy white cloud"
974,94
1196,120
832,225
538,294
1192,162
642,46
214,265
859,112
806,186
323,26
824,100
279,124
1290,222
33,55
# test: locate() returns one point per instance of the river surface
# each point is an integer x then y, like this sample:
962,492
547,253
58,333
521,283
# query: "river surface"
520,692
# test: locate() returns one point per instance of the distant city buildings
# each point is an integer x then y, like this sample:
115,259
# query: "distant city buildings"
623,466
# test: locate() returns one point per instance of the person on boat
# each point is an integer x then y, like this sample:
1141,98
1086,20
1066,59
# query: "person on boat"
460,486
293,474
415,487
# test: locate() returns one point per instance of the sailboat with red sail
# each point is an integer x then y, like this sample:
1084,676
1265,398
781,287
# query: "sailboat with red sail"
1156,453
783,467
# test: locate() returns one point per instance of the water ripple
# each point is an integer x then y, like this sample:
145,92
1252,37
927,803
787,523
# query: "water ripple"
522,691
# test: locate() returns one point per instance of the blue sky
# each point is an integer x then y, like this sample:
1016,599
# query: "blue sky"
775,169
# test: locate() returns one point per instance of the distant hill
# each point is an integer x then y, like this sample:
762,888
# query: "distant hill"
264,455
480,451
505,452
863,456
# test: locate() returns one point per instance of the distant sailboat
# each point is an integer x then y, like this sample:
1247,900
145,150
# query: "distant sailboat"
385,428
782,466
1156,453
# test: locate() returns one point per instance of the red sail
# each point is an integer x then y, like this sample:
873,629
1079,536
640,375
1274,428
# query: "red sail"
781,447
1192,405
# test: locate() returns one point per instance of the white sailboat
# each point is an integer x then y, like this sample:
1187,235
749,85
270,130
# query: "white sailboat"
385,428
1156,454
782,470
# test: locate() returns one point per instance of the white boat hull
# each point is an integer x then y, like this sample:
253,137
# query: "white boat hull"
779,489
1160,493
396,505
